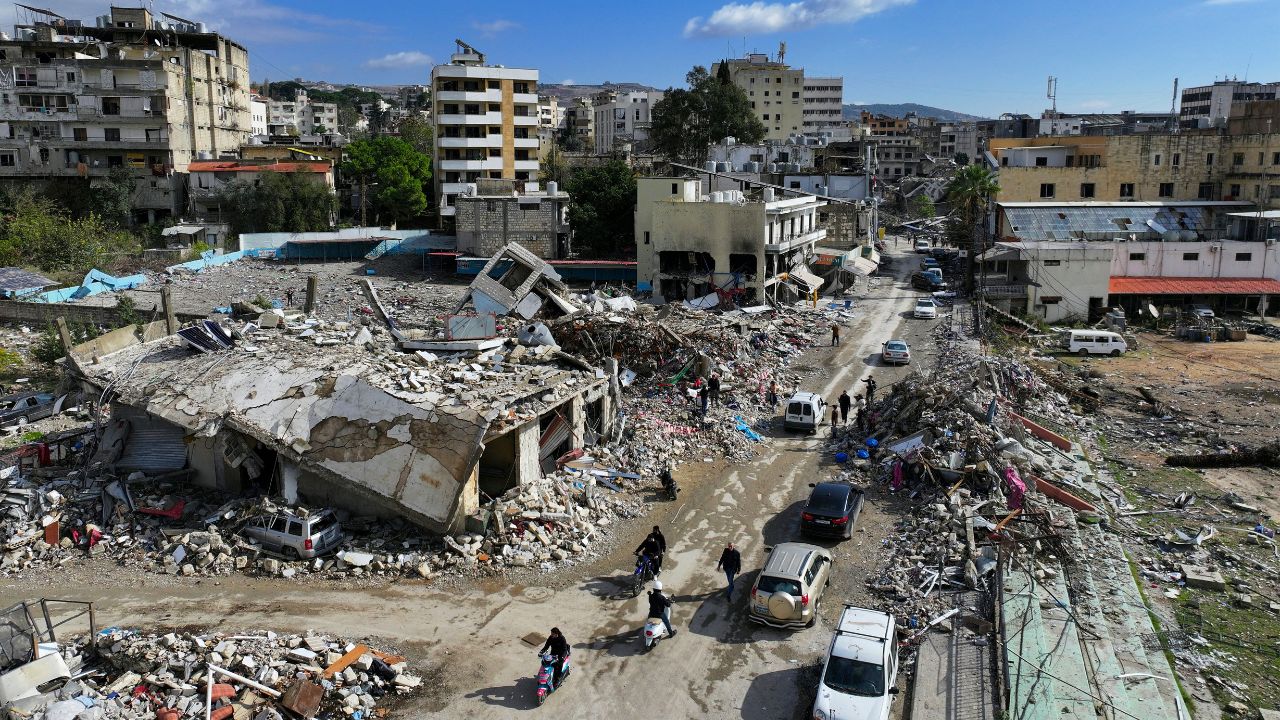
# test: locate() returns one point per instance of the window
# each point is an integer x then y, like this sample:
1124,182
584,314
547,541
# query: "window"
795,95
80,134
1237,158
8,159
646,237
1156,160
1137,256
1042,161
1260,156
1166,190
1205,191
110,106
1208,159
1052,263
24,77
1046,190
1050,299
1191,256
1086,190
1126,190
71,77
1275,191
1177,159
111,134
1235,191
1244,257
675,189
1004,161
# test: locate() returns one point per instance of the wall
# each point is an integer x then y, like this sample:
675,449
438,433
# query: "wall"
1162,259
649,192
1084,272
485,224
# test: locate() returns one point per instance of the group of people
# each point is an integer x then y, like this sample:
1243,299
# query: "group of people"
706,390
843,405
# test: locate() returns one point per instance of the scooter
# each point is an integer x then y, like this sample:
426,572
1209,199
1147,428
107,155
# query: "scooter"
547,671
654,631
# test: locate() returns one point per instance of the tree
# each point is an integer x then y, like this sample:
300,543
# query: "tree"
391,176
419,133
686,122
969,193
962,159
922,206
112,199
602,201
34,230
278,202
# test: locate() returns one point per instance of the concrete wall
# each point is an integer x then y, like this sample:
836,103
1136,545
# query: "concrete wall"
1226,259
649,192
486,224
1081,273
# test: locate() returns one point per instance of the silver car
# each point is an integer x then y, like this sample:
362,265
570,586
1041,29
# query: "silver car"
295,537
787,591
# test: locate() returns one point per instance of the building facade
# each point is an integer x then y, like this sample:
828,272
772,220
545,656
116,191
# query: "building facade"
622,120
580,122
259,109
506,211
775,90
823,103
1210,105
301,116
486,125
130,92
208,178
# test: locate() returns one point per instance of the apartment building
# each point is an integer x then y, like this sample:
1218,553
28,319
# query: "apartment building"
580,121
823,103
1210,105
775,90
301,116
259,107
131,91
946,140
886,125
486,124
623,120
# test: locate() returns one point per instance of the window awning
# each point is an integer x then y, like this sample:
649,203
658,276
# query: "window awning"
803,275
862,266
1193,286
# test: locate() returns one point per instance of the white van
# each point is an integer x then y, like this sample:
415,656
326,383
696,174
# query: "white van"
805,411
1094,342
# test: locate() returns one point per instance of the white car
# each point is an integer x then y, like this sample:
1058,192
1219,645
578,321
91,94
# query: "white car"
923,246
861,667
895,352
926,308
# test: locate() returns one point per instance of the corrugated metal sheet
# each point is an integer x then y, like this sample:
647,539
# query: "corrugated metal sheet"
153,446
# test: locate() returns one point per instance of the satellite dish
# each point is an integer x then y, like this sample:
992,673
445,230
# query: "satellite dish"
1152,309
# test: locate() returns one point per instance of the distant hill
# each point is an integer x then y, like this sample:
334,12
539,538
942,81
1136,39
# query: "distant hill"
569,92
898,110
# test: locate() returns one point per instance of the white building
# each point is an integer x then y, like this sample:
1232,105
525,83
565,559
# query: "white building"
301,116
1210,105
486,124
623,118
258,109
1056,125
823,103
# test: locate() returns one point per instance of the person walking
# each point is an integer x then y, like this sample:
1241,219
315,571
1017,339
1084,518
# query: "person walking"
714,385
835,415
731,563
835,334
871,390
862,419
845,403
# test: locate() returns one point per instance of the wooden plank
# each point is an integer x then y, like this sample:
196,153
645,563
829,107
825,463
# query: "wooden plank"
345,661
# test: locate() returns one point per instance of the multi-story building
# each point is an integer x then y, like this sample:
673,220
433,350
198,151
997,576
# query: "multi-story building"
622,120
129,92
258,113
301,116
580,121
507,211
946,140
775,90
1210,105
486,124
210,177
885,125
823,103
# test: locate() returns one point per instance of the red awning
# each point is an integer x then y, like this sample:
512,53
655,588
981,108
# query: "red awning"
1193,286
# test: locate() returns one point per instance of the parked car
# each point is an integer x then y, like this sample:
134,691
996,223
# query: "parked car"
296,536
861,668
805,411
944,254
1094,342
929,262
832,510
787,591
923,246
1203,312
921,280
925,308
23,408
896,352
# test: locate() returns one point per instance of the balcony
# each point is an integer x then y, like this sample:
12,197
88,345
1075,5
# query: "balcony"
1014,290
791,242
525,120
486,164
527,142
531,165
486,118
525,98
485,141
484,96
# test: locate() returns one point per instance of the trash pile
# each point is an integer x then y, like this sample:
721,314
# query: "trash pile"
118,673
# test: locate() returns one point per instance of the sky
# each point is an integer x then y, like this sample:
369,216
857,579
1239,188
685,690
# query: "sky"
983,57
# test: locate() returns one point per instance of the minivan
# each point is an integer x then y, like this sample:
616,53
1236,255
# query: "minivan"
805,411
787,591
295,536
1094,342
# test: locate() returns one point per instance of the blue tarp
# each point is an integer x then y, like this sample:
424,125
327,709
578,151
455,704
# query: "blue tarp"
207,260
94,282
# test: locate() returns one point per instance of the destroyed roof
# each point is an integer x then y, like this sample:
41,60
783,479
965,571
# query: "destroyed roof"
13,279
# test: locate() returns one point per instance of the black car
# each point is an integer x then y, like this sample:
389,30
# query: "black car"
926,281
832,510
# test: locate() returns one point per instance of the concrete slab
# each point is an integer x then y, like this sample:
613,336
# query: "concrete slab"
1202,577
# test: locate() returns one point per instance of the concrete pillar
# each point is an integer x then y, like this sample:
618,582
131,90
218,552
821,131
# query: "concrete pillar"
288,480
577,422
527,467
166,303
313,286
64,334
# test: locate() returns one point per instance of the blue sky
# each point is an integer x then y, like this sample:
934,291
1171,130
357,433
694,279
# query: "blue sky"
978,56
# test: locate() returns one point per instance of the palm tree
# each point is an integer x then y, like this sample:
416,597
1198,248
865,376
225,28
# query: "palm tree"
970,193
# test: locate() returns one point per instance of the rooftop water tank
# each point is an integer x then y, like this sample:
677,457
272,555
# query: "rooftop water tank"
709,166
553,188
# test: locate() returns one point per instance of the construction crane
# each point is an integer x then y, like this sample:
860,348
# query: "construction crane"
466,48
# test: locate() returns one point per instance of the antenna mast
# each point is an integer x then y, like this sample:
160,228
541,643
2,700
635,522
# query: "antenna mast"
1173,108
1051,91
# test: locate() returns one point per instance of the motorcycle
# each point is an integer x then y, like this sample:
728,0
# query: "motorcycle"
654,631
546,672
642,575
669,485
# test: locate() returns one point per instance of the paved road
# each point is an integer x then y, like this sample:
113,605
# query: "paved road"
720,665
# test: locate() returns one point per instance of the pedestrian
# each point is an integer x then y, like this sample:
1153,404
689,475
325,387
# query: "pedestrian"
871,390
714,385
845,403
288,298
772,397
731,564
704,395
862,419
683,387
835,334
660,606
835,415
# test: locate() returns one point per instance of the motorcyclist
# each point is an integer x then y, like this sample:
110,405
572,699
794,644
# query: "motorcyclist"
668,482
559,648
655,546
660,606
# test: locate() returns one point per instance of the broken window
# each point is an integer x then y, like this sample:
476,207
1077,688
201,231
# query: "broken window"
1126,190
1086,190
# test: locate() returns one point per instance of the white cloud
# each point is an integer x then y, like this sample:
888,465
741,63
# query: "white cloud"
399,60
1093,105
568,81
759,18
490,29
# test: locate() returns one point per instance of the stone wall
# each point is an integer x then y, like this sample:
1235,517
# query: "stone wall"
485,224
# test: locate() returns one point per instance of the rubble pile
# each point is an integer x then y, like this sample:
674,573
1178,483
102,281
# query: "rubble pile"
125,674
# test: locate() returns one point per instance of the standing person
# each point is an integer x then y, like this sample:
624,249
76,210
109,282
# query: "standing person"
835,334
714,385
703,396
660,606
835,415
731,564
871,390
288,298
684,391
862,419
845,403
772,397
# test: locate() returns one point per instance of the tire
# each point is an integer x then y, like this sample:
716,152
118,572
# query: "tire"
291,554
1082,352
542,697
23,421
1115,353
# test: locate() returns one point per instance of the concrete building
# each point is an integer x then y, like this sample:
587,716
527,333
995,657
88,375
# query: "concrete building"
775,90
210,177
259,111
946,140
622,120
1210,105
301,116
580,122
885,125
486,124
690,245
823,103
131,91
506,211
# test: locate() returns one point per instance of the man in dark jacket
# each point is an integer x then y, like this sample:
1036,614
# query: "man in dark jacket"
559,647
714,386
655,546
660,606
731,564
871,390
846,402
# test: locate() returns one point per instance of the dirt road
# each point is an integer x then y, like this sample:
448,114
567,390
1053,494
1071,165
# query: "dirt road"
719,666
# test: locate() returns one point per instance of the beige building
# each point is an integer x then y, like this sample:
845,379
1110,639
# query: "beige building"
486,124
776,92
132,91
